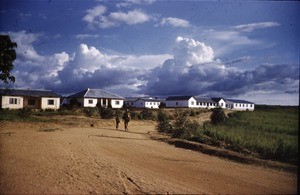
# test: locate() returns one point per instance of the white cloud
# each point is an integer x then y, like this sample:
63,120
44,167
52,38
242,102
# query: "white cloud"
192,69
228,41
94,68
94,13
190,51
128,3
25,48
32,69
98,17
86,36
254,26
130,18
175,22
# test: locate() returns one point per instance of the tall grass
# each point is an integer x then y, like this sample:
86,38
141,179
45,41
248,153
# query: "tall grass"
271,134
266,133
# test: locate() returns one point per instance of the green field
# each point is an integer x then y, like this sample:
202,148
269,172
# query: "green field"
268,132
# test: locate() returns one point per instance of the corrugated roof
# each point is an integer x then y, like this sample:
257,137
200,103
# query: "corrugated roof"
170,98
150,99
95,93
205,100
239,101
28,93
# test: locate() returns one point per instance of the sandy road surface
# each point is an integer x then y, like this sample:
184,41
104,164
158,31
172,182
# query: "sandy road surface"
100,159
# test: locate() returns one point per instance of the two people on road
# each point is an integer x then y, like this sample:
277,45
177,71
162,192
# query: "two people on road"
126,117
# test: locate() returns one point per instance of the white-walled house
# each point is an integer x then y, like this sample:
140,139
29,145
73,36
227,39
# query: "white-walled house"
143,102
220,102
34,99
206,102
234,104
181,102
91,97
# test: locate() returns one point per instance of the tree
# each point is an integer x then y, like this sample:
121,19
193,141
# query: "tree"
218,116
7,56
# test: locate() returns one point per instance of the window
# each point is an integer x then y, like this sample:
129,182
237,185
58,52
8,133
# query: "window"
192,102
13,100
117,102
91,101
176,103
31,102
50,102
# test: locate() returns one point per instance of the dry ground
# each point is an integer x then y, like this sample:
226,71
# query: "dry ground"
71,157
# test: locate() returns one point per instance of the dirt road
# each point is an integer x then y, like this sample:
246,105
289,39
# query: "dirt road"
54,159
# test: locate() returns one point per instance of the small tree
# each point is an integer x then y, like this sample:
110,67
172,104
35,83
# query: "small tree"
7,56
218,116
181,122
163,122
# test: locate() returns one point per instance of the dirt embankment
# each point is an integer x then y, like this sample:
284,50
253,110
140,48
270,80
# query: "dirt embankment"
71,156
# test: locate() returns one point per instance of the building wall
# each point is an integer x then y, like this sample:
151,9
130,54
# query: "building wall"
240,106
191,103
12,102
32,102
147,104
117,103
207,105
130,103
243,106
222,103
89,102
92,102
50,103
177,103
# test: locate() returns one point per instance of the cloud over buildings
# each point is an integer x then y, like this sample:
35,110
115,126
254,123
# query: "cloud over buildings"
192,68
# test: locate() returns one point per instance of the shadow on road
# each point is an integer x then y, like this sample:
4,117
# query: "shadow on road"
116,137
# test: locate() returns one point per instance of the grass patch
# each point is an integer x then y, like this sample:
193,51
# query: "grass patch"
268,133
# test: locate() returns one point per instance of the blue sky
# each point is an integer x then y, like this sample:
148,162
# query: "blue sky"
247,50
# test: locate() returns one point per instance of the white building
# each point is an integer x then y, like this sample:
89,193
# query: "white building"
234,104
143,102
206,102
92,97
181,102
34,99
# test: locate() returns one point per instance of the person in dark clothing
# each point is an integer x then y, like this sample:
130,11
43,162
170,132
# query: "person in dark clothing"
126,117
117,121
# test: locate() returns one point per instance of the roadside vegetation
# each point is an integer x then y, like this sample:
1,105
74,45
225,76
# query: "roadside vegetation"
267,132
30,115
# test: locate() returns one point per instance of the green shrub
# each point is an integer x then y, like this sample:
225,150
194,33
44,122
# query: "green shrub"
24,112
93,111
218,116
163,122
181,122
146,114
106,113
134,115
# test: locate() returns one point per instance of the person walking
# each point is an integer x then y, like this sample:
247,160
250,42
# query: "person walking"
126,117
117,121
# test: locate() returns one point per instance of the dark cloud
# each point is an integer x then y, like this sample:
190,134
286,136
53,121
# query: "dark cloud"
214,79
